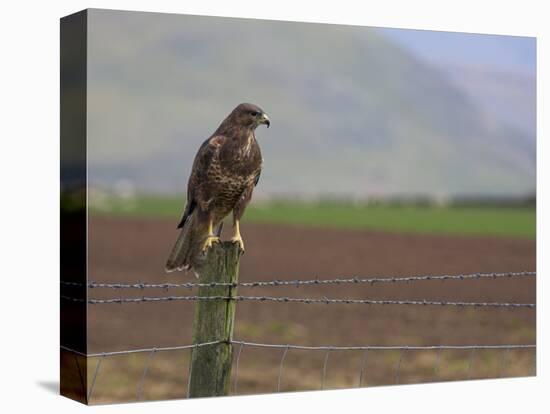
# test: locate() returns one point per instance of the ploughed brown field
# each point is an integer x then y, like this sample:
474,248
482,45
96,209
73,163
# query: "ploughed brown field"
134,250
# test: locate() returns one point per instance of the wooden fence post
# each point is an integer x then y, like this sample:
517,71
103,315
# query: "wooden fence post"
210,367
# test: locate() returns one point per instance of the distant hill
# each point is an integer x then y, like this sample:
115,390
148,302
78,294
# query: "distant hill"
353,114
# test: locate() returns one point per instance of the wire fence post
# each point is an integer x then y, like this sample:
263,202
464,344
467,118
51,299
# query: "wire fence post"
210,367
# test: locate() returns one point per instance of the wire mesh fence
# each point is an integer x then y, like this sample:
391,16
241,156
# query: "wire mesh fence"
327,349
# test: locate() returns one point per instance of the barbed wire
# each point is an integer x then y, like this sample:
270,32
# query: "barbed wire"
299,282
286,299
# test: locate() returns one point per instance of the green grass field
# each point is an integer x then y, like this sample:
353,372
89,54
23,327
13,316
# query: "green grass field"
504,221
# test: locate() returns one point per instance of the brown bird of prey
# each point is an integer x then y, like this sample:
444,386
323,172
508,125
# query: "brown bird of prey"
225,171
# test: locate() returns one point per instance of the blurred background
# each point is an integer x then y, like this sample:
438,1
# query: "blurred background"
391,152
357,112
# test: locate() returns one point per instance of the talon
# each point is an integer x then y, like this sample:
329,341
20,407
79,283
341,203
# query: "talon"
210,240
238,239
237,236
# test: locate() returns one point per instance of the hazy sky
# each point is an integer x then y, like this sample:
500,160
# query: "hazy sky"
502,53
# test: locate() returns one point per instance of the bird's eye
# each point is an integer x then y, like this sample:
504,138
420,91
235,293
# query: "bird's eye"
254,113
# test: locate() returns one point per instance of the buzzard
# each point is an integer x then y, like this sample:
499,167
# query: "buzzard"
225,171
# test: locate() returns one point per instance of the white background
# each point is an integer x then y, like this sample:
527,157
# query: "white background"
29,194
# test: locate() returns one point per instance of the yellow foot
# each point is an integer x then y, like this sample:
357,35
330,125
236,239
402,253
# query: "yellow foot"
238,239
210,240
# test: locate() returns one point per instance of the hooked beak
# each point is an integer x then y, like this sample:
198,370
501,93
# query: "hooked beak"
265,120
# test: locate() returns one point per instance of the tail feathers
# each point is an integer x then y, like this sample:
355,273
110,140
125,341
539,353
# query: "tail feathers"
187,251
176,260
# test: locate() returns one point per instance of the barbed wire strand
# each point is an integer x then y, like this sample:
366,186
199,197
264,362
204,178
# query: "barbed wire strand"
237,369
327,354
286,299
398,368
281,369
145,369
302,282
363,365
98,365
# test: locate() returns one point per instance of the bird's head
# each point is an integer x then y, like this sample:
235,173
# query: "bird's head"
250,116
